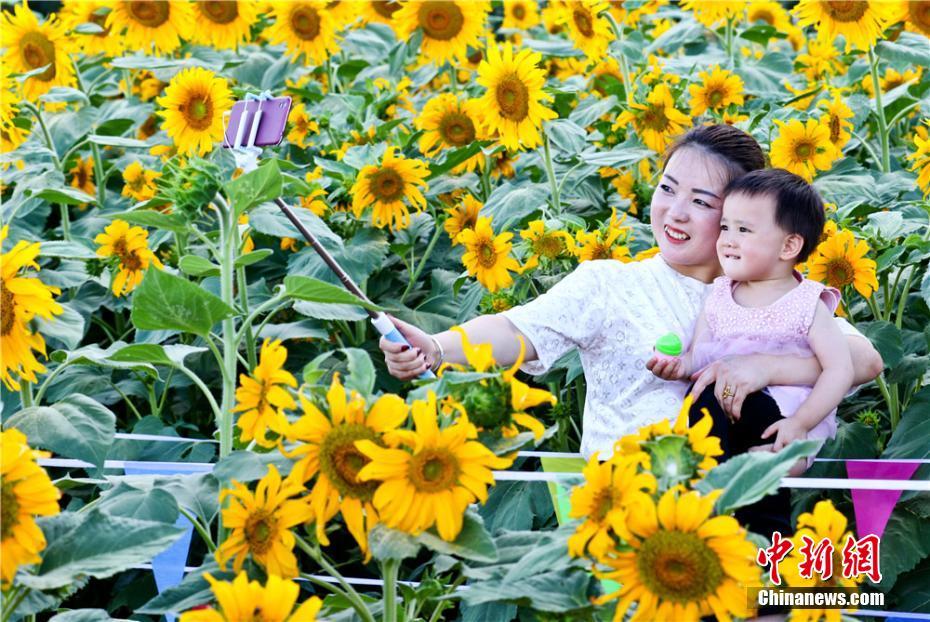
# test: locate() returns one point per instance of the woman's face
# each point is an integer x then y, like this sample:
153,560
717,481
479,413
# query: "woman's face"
686,208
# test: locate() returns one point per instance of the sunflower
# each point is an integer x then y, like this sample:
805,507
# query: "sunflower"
719,89
261,523
602,501
520,14
223,23
461,217
194,104
683,563
27,492
547,243
892,80
315,201
768,12
9,104
824,522
711,14
921,159
449,123
803,148
130,245
917,16
328,451
820,61
149,23
262,397
21,299
841,261
487,256
76,12
82,175
589,30
448,26
608,242
305,27
389,188
836,117
301,127
433,477
240,600
512,105
382,11
501,163
658,121
31,45
139,183
860,22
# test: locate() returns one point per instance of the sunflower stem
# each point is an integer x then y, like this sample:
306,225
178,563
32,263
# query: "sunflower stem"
389,568
229,243
729,41
9,607
550,173
453,78
621,57
201,530
25,393
437,231
486,178
244,301
880,112
902,301
98,175
351,595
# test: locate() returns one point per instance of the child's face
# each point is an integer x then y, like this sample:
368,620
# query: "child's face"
751,247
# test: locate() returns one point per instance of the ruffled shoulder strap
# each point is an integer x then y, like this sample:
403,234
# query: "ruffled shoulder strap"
718,301
813,292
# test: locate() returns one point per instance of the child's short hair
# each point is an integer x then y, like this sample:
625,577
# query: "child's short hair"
798,206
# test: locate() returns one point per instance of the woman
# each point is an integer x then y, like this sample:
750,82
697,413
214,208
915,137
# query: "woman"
613,312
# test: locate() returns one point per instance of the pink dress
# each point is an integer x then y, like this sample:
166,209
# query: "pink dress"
780,328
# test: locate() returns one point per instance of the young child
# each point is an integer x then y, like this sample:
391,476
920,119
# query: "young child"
772,220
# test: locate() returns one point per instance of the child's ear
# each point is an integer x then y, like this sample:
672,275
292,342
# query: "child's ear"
791,247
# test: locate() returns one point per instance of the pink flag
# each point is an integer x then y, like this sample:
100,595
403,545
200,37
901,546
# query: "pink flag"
873,507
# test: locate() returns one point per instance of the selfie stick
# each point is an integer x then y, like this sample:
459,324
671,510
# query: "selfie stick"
246,156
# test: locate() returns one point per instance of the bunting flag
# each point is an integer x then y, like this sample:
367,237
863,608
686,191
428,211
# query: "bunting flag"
874,507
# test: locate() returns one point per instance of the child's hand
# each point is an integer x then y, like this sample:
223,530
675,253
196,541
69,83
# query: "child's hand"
666,369
788,430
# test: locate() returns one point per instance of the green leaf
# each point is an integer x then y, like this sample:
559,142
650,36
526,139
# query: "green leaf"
911,592
313,290
197,492
515,506
68,196
909,368
115,127
150,218
386,543
329,311
191,592
905,542
254,257
453,158
566,135
748,477
164,301
269,219
195,265
142,353
247,466
99,546
886,337
77,427
128,502
67,327
509,204
94,355
909,439
473,542
925,288
86,615
255,187
910,49
361,371
67,250
117,141
64,94
760,33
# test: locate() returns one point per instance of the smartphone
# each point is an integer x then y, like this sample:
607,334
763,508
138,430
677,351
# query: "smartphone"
271,123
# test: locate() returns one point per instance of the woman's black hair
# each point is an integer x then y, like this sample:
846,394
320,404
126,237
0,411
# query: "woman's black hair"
738,151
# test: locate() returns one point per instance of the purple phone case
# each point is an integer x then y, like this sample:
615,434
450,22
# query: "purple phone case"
272,123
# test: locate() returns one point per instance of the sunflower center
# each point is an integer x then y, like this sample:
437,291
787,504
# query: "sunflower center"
198,112
600,251
456,128
919,14
434,470
846,10
501,304
341,461
100,20
487,256
129,259
840,272
513,98
583,21
894,83
602,504
765,15
9,510
7,312
37,52
385,9
387,185
519,11
151,13
81,176
305,22
549,246
715,97
476,57
260,529
487,405
654,118
835,128
804,150
679,566
440,20
220,11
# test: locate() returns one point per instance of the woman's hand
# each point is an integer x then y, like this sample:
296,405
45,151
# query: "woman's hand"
407,362
735,377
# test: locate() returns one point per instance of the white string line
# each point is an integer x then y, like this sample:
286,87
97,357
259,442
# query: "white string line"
525,476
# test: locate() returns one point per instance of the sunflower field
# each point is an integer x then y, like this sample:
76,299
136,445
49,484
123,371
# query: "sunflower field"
197,419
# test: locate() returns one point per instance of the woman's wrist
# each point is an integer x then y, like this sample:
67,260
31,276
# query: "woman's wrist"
437,354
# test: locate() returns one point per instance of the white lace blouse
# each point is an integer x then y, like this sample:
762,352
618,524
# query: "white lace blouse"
613,313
